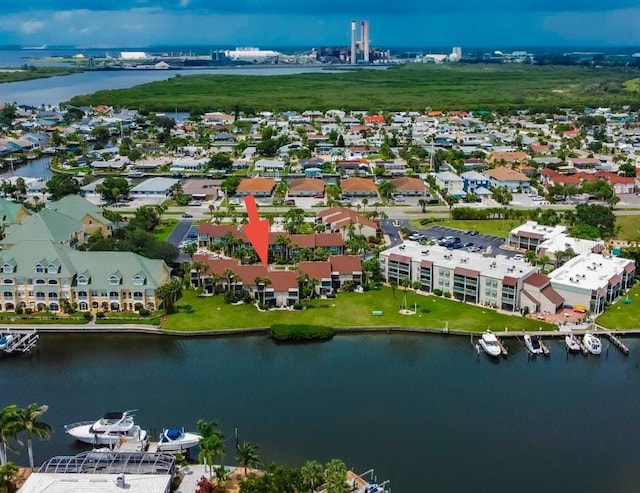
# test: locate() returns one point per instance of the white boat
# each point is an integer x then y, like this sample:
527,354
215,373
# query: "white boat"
5,340
592,343
489,343
533,344
176,440
113,429
573,346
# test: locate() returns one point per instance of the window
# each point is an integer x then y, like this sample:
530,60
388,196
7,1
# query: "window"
65,282
53,282
114,280
39,269
7,269
52,269
8,281
40,281
94,292
113,294
8,294
82,281
138,281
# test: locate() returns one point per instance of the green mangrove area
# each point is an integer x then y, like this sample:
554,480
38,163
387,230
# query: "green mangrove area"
30,72
407,87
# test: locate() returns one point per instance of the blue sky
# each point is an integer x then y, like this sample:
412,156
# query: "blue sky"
490,23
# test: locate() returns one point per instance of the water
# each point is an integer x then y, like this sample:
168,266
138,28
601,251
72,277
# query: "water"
38,168
424,411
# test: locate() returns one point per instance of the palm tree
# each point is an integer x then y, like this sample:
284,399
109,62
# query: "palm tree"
312,475
336,474
221,476
211,443
231,278
423,205
365,203
261,284
29,419
386,189
168,294
9,427
247,455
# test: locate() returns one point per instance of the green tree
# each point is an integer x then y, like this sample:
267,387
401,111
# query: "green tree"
628,169
220,160
8,475
229,185
293,220
7,115
113,188
29,419
62,185
594,219
247,455
386,189
168,294
336,474
312,475
102,135
9,427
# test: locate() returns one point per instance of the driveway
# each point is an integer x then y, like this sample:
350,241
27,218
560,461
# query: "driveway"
179,232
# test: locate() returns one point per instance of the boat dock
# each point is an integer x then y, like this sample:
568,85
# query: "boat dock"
615,340
18,340
503,348
545,348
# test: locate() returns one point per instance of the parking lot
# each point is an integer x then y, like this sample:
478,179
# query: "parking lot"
480,241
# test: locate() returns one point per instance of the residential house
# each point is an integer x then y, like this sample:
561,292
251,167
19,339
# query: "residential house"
474,181
620,184
259,187
11,213
507,157
358,187
450,184
90,215
306,187
201,189
583,162
539,296
513,180
187,164
269,165
345,268
157,187
409,186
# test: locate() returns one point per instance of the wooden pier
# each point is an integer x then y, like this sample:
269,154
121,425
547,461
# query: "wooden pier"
503,348
545,349
615,341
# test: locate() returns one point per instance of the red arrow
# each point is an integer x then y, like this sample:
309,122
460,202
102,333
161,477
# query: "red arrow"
257,230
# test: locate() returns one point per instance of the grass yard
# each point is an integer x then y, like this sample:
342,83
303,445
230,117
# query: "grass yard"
347,310
496,227
629,228
621,316
164,229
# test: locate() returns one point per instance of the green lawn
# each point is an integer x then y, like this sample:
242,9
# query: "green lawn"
629,228
347,310
622,316
165,228
496,227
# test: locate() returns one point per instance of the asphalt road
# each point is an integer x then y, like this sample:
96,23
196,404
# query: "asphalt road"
179,232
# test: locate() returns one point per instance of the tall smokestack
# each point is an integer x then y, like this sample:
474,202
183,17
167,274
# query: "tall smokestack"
365,40
353,42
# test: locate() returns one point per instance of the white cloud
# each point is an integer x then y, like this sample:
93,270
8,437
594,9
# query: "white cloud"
31,27
184,3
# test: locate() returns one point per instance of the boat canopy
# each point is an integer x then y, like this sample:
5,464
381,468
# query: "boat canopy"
114,415
173,433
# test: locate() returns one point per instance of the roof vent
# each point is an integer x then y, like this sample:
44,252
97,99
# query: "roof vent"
120,482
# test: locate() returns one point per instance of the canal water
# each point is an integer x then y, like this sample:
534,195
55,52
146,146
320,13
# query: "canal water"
426,412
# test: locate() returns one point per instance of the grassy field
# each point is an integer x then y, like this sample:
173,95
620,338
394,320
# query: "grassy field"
36,73
629,228
621,316
165,228
488,227
347,310
410,87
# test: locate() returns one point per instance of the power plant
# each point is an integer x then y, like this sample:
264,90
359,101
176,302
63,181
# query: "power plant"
361,46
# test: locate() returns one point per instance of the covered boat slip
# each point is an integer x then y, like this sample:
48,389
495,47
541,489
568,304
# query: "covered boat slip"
18,340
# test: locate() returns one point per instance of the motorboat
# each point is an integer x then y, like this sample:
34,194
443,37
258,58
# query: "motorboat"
113,429
176,440
5,340
592,343
573,346
533,344
490,345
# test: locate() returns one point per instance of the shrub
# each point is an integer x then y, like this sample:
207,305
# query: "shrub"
229,297
437,292
99,314
28,311
292,333
19,310
447,294
143,312
298,306
86,316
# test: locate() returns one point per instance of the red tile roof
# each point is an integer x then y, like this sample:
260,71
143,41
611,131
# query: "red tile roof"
315,270
283,280
407,183
358,185
537,280
340,217
461,271
306,185
346,264
257,185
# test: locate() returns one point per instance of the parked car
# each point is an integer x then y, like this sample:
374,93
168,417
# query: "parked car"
399,198
195,203
518,256
289,202
473,232
187,215
468,244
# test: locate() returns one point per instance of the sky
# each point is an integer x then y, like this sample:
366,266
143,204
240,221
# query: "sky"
271,23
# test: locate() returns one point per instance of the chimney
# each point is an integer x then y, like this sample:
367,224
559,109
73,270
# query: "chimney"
365,41
353,42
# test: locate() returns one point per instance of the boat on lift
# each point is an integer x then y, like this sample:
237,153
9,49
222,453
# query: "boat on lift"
592,343
490,345
176,440
533,344
573,345
113,429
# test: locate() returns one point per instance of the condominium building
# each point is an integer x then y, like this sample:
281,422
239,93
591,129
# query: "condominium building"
530,235
471,277
39,274
590,280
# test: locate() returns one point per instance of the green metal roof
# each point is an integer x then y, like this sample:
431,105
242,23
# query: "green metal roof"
45,225
77,207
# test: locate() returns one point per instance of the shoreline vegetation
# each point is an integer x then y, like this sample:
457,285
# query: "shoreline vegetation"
409,87
30,73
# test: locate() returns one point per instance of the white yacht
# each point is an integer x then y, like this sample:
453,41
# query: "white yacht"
176,440
113,429
489,343
592,343
573,346
5,340
533,344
